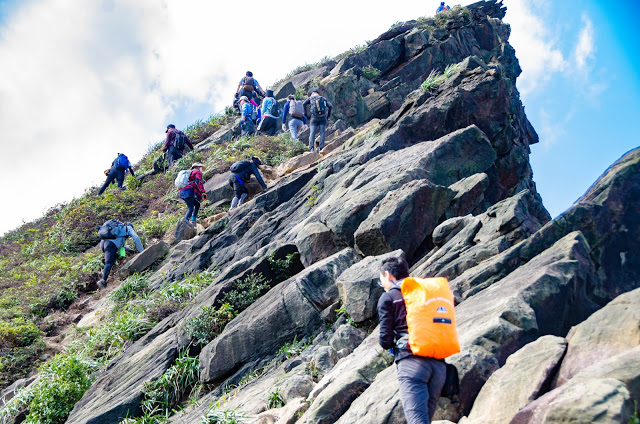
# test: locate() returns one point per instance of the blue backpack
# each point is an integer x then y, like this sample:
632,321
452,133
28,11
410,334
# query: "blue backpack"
122,162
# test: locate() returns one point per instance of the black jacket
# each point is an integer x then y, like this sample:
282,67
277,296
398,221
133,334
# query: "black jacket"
244,169
392,313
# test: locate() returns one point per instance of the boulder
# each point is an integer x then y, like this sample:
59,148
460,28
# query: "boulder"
449,228
297,162
284,91
521,380
185,230
608,332
208,221
324,358
218,188
222,135
315,242
145,259
469,195
403,219
337,142
359,286
347,337
297,385
292,308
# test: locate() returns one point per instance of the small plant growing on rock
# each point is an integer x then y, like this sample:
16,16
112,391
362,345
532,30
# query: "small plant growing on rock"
217,416
293,348
275,400
342,311
313,197
281,267
211,321
246,291
133,287
371,73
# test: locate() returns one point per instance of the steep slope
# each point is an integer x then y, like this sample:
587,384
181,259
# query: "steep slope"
428,159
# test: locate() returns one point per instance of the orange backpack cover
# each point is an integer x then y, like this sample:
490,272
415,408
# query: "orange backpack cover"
430,317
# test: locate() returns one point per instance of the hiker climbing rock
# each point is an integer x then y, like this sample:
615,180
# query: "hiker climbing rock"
294,110
119,167
240,174
250,115
249,85
442,8
409,329
113,235
174,144
270,114
319,111
193,192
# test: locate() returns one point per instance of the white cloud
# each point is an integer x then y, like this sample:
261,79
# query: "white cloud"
585,48
536,47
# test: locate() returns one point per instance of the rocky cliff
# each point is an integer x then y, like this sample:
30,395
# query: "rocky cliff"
438,172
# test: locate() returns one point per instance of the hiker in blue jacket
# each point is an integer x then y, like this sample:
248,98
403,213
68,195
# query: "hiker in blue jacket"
113,248
117,171
240,175
270,114
249,118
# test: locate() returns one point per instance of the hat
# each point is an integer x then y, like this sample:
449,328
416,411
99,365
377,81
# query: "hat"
256,160
170,126
269,93
196,164
245,98
314,90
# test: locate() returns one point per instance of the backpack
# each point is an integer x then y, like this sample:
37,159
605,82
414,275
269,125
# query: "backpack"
182,179
296,109
240,166
254,113
274,110
180,141
451,382
431,318
107,231
248,83
318,106
122,161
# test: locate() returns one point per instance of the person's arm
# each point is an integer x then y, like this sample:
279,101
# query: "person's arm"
256,172
189,142
305,107
198,184
385,315
329,108
131,171
135,238
167,142
304,119
285,112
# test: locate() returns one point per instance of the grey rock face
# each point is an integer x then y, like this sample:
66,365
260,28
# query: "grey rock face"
145,259
184,231
347,337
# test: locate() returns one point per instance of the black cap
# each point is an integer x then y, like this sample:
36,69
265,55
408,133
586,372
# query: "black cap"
256,160
269,93
314,90
170,126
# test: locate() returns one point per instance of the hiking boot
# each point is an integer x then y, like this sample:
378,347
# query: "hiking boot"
102,285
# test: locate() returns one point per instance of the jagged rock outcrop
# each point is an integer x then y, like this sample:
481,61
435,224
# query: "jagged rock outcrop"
442,177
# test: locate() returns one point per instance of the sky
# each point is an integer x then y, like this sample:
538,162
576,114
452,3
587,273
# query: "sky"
82,80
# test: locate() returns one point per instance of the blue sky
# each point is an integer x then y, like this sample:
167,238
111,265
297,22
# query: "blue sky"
83,80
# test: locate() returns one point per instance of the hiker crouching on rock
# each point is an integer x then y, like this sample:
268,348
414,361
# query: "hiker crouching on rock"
420,378
174,144
240,174
193,193
119,167
113,234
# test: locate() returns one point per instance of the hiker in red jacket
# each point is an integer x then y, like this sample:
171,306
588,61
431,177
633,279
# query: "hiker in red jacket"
174,144
193,193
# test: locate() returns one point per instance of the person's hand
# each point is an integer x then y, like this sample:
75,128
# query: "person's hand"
106,172
204,197
284,127
304,127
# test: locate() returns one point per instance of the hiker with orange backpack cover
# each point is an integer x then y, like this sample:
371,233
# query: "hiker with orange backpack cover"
419,340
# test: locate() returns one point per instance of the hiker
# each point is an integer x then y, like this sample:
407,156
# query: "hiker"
248,85
298,121
270,114
119,167
420,378
113,234
319,111
236,102
240,174
174,144
249,116
193,193
442,8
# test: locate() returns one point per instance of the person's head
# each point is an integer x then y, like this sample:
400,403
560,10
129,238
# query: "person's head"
197,165
315,91
250,74
392,270
244,99
291,97
442,3
269,93
256,160
170,126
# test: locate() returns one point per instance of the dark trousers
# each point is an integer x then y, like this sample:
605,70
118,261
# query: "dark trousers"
269,126
317,126
173,154
114,174
110,255
238,188
248,127
193,206
421,380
